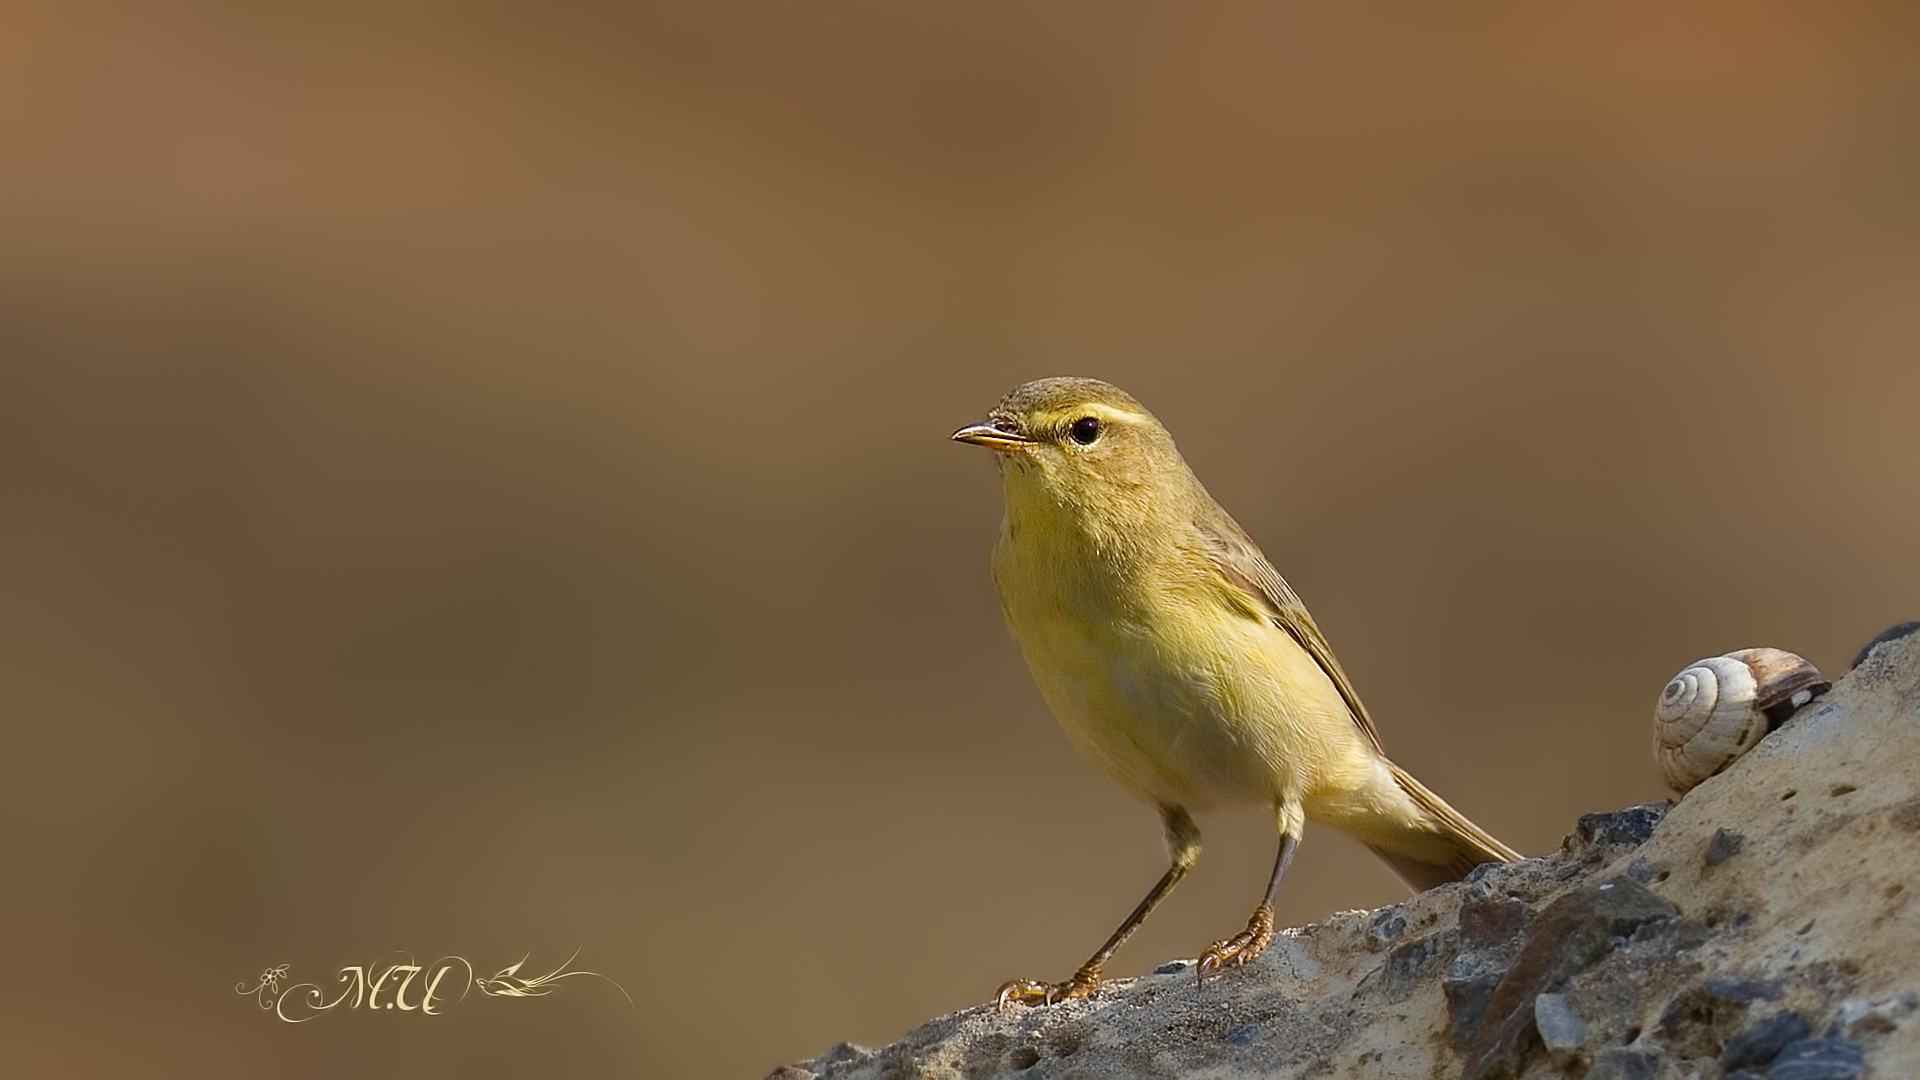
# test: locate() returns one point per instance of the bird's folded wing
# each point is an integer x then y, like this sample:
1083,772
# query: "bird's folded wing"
1241,563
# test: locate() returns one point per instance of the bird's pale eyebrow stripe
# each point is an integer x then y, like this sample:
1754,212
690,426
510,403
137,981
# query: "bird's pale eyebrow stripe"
1103,411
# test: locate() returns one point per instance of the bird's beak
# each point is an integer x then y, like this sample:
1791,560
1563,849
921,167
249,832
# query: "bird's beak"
992,438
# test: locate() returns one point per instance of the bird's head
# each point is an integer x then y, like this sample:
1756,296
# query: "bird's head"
1084,445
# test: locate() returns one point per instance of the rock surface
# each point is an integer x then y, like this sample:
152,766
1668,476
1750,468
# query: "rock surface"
1764,927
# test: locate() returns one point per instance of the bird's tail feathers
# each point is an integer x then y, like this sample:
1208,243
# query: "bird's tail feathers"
1470,844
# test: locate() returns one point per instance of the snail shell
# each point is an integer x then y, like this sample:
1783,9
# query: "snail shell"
1721,707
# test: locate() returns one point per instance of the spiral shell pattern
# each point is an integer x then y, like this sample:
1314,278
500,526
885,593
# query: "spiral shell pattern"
1721,707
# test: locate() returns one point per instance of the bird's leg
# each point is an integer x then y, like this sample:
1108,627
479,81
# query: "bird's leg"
1183,850
1242,947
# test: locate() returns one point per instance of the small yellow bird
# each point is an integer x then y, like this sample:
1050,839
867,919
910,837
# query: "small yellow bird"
1179,662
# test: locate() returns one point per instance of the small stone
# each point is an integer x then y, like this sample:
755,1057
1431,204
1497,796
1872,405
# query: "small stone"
1762,1042
1388,925
1243,1035
1819,1059
1633,825
1725,845
1561,1028
1407,965
1171,967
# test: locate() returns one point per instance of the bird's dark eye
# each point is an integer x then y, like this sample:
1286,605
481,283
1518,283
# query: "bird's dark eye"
1085,430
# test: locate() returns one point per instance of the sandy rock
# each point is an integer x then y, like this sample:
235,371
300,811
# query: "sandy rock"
1765,927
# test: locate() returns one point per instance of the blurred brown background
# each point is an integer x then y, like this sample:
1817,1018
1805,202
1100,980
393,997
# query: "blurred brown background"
475,479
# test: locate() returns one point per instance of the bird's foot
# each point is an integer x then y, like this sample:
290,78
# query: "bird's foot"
1242,947
1027,992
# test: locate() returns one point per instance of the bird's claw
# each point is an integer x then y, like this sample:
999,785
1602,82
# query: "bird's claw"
1241,948
1028,992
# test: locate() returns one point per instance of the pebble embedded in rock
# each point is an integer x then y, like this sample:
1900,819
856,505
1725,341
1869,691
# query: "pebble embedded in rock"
1725,845
1819,1059
1407,966
1762,1042
1560,1027
1388,925
1634,825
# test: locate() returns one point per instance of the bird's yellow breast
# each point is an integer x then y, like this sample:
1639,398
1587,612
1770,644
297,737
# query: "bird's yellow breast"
1181,698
